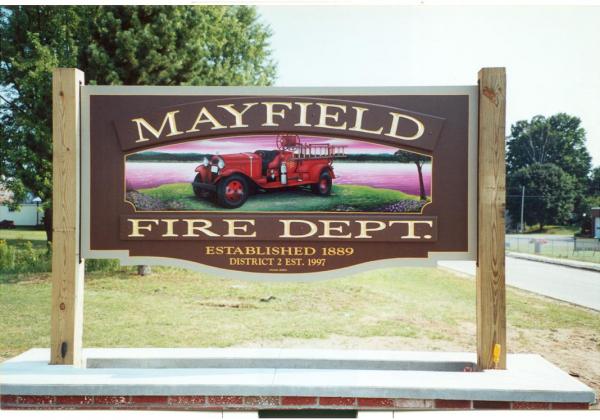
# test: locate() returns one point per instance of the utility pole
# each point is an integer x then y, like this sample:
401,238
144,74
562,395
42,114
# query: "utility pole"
522,207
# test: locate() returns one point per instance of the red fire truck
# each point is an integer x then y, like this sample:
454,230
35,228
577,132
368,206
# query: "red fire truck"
231,178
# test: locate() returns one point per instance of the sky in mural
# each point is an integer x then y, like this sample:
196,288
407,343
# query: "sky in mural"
267,142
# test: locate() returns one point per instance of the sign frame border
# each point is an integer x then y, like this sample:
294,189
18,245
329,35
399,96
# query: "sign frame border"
472,91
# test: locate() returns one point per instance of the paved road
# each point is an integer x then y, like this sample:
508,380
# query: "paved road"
573,285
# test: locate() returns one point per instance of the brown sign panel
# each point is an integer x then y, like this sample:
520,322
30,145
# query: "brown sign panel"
278,182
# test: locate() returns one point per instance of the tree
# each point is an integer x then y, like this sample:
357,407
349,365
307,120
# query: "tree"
165,45
160,45
550,194
559,139
409,157
594,185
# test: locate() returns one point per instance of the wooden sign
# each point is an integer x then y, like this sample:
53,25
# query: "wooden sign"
279,182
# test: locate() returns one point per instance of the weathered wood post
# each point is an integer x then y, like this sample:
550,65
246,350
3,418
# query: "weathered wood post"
491,293
67,265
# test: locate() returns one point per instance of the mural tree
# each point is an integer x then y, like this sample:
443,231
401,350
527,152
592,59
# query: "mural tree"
407,157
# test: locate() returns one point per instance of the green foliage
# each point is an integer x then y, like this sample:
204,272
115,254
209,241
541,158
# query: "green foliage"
550,194
165,45
558,139
103,266
594,186
34,40
408,157
367,157
343,198
591,201
24,251
23,258
160,45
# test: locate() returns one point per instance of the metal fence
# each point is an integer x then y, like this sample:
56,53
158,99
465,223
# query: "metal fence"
581,249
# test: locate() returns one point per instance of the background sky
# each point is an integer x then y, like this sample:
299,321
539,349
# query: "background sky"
551,53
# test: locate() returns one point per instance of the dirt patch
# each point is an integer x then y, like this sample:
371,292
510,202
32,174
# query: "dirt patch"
575,351
227,304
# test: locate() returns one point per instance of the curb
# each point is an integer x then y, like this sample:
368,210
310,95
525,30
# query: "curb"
558,261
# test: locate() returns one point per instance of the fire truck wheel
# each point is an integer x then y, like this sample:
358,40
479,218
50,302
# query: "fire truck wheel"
232,191
199,192
323,187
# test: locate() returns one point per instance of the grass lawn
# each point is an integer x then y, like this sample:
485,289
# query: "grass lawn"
123,309
402,309
406,309
347,196
21,235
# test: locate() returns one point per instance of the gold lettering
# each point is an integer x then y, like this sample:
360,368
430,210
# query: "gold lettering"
270,113
206,117
287,228
364,227
394,127
327,229
231,232
136,227
169,119
169,223
359,121
191,227
411,228
239,123
324,116
302,118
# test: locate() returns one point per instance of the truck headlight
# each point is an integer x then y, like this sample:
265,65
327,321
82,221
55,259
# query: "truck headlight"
221,163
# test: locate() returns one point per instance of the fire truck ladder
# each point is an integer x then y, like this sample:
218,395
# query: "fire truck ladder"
319,151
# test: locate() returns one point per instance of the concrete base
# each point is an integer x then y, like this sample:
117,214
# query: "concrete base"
274,378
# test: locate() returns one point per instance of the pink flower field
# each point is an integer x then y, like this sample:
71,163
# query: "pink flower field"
397,176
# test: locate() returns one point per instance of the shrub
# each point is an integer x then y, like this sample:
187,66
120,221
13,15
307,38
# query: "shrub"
23,259
105,266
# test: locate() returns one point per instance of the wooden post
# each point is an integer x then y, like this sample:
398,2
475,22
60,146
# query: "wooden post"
491,293
67,266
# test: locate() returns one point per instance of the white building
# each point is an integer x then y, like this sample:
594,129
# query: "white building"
29,213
